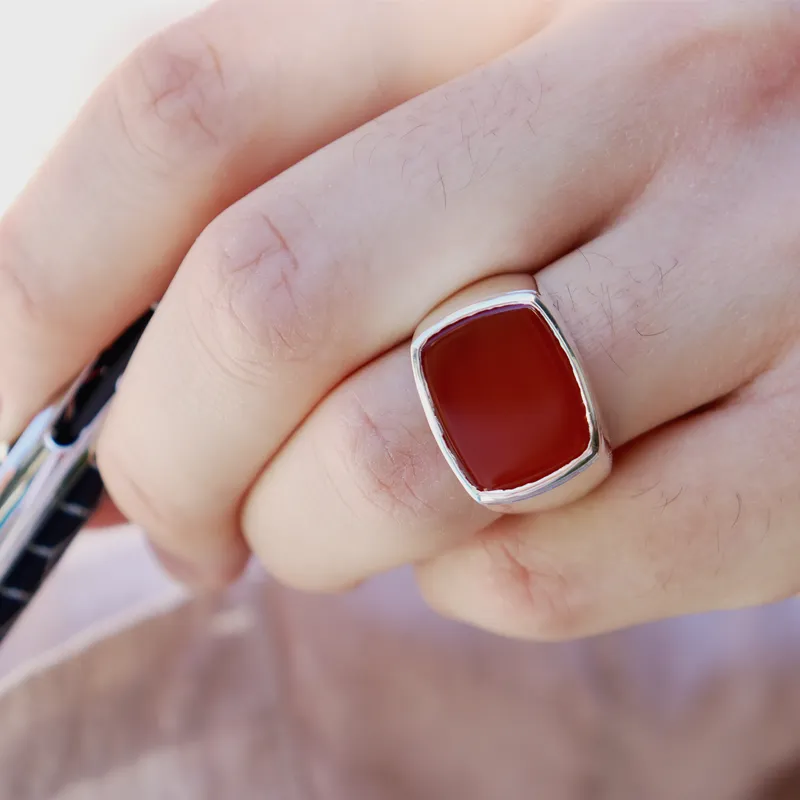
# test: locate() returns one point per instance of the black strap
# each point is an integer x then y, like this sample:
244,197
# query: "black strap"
47,545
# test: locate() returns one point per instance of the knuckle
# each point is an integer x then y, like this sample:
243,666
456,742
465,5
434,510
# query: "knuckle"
748,53
264,297
173,99
765,50
389,464
538,594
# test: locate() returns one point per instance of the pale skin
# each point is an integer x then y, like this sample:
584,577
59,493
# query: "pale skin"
302,195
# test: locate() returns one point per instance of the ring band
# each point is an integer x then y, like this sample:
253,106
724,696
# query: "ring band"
507,398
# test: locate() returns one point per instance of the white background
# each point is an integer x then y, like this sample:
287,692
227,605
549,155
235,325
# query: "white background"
52,54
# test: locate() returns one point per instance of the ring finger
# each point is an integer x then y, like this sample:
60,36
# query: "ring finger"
362,487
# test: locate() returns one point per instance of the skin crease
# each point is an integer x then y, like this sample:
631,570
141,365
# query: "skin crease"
642,159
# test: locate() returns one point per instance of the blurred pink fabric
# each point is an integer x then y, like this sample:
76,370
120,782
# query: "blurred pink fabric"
118,685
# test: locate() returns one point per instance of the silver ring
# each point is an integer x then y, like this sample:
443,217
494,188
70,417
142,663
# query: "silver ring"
507,398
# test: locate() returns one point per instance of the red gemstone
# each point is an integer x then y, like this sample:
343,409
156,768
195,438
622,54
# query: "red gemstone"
505,394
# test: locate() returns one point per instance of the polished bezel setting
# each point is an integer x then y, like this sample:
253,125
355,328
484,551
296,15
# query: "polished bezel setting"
592,465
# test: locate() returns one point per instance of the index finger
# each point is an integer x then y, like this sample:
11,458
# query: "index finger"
192,121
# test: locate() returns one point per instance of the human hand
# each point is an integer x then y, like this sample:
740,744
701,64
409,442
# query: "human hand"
641,159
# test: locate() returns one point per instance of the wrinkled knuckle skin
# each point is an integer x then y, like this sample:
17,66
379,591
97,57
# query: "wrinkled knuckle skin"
392,467
264,298
175,99
539,594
